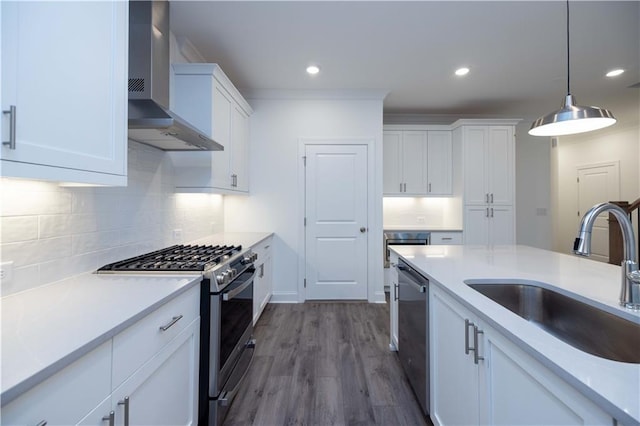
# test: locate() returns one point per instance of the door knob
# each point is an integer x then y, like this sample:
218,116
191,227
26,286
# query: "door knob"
363,229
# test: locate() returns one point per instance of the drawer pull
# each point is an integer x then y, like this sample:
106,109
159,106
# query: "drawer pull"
111,417
447,238
170,324
125,402
42,423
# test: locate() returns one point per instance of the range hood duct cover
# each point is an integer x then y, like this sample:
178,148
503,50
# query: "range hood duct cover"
150,120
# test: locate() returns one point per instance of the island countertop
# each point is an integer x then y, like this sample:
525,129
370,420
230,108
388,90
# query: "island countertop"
614,386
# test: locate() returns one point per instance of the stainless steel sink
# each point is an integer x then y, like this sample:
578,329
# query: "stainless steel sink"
579,324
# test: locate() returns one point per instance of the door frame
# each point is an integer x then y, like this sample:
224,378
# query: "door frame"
373,296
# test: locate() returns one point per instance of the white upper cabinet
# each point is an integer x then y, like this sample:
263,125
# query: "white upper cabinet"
64,72
205,97
416,161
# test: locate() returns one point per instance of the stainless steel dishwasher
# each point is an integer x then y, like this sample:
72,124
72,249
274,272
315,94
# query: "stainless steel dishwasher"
413,330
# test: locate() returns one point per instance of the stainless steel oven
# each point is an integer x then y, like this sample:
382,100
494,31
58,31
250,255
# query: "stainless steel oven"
227,342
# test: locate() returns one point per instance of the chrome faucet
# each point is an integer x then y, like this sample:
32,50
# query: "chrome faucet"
630,286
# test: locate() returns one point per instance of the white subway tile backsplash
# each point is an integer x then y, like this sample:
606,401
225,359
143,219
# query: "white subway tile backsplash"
54,232
36,251
18,228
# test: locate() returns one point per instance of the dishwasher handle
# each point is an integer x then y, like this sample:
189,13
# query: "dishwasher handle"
416,280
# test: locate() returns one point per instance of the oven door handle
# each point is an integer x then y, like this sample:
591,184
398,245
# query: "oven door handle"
233,293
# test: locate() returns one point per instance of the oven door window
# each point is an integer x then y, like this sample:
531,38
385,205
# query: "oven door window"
236,315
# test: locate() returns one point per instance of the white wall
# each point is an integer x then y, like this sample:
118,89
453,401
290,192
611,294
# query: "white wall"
52,232
533,189
614,144
277,125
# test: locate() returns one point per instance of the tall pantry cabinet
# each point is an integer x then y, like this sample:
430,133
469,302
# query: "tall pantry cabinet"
488,164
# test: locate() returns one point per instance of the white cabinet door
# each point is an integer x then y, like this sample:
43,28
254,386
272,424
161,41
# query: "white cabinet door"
64,68
501,225
392,162
165,389
439,162
476,224
475,164
414,146
518,390
500,171
240,155
221,128
454,375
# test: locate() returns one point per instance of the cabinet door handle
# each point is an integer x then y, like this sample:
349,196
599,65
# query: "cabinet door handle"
400,186
170,323
42,423
491,211
467,324
111,418
125,402
492,198
429,187
487,213
476,356
261,271
395,291
11,143
486,198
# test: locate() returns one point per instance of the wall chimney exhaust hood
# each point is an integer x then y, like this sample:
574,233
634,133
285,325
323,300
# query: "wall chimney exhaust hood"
150,120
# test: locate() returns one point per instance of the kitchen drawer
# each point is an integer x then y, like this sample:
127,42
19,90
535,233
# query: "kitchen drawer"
138,343
442,238
67,396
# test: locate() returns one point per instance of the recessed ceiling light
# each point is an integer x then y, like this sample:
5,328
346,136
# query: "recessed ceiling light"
462,71
615,73
313,69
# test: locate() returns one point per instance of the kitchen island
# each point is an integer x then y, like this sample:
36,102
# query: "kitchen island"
605,389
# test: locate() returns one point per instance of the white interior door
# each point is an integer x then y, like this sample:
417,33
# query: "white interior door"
598,184
336,218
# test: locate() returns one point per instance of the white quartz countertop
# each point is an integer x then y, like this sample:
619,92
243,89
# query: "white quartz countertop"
49,327
614,386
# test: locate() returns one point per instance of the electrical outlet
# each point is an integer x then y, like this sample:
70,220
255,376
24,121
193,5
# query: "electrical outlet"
177,234
420,219
6,272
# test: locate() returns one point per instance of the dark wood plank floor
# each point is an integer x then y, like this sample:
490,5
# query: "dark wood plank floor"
325,364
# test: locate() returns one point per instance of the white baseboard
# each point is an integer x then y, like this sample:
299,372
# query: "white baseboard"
284,297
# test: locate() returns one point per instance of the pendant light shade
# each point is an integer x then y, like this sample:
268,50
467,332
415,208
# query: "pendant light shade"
571,118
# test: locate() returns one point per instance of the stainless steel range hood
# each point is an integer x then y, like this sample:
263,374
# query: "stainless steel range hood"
150,120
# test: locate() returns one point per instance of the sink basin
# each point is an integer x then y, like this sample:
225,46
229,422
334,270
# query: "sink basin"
579,324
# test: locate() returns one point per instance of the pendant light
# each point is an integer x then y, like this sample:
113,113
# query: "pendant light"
571,118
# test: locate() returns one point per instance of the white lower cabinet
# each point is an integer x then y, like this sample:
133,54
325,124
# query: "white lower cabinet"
263,283
480,377
393,300
162,388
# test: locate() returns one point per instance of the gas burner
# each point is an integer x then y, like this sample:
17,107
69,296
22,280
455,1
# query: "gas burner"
183,258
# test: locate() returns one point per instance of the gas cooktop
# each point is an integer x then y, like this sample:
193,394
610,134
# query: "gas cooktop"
178,258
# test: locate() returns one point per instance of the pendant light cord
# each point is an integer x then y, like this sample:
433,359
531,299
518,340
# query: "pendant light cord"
568,56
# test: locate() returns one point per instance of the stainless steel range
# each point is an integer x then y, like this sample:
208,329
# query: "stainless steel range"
226,312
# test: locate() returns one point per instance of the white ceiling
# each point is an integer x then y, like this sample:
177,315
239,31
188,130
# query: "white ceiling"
516,51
